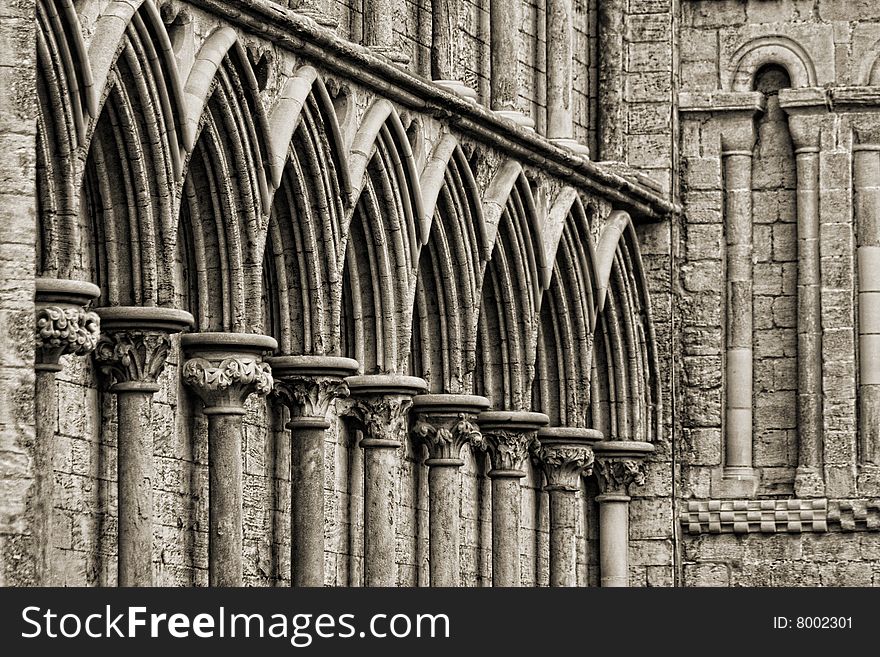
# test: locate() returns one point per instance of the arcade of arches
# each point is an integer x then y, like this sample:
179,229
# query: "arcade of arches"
423,293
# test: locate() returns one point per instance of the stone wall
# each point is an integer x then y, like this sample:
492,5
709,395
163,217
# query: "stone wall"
17,235
803,292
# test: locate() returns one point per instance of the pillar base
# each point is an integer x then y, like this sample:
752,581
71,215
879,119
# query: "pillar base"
809,483
574,146
734,482
518,118
457,87
392,54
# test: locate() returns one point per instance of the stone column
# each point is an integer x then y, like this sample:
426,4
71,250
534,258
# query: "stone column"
611,81
509,436
63,327
308,386
444,46
505,18
380,17
565,454
131,352
380,405
619,464
866,207
560,128
804,126
737,143
224,369
446,424
321,11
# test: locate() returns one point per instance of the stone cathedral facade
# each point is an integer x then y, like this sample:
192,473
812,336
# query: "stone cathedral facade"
439,292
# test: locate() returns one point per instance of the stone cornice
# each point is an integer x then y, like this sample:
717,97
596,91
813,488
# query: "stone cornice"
326,49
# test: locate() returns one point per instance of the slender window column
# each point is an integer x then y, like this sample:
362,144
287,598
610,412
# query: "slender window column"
321,11
63,327
309,387
446,424
224,369
380,406
619,464
505,18
866,206
560,126
380,17
611,81
737,143
132,351
566,455
509,436
444,46
804,126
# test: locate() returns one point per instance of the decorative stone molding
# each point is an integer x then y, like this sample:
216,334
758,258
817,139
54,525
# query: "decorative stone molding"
135,342
854,515
63,325
309,385
133,356
755,516
565,455
224,368
380,404
446,423
619,465
62,331
792,516
509,436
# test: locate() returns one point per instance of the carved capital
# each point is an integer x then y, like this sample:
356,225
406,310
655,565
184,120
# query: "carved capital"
227,382
509,448
616,475
446,435
133,357
62,330
563,465
310,397
738,132
381,418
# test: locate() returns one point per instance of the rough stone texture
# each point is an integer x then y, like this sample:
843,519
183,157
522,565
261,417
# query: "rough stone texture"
665,318
18,110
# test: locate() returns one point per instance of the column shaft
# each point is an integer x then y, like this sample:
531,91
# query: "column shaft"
135,476
307,503
866,203
506,18
559,63
380,508
614,540
46,407
563,547
738,220
506,513
611,106
809,361
444,518
443,42
379,23
225,499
